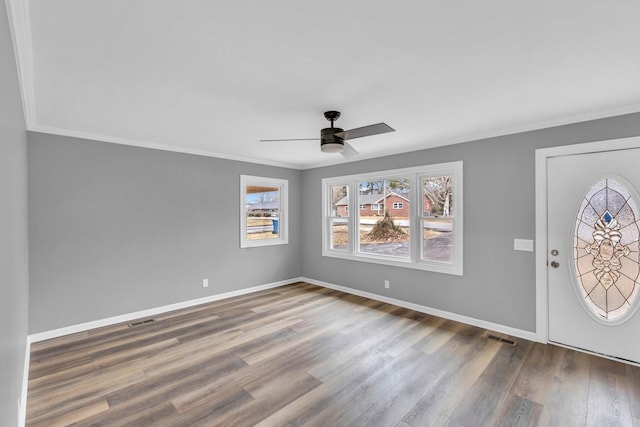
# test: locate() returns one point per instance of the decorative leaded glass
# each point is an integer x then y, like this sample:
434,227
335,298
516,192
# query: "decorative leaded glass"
606,249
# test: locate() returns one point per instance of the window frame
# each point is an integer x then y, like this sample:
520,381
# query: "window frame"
283,213
415,175
398,205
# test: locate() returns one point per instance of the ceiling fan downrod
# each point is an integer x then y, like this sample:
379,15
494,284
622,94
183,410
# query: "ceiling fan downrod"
332,116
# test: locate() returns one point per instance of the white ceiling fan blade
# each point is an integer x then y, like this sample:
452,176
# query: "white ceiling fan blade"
348,151
370,130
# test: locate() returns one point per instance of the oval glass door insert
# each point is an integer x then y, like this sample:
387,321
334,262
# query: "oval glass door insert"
606,250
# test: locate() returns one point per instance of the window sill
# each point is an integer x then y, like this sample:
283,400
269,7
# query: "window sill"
433,266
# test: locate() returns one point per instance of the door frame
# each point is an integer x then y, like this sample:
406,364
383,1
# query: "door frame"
542,155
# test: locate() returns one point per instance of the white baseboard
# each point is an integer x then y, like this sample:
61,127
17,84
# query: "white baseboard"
22,411
507,330
41,336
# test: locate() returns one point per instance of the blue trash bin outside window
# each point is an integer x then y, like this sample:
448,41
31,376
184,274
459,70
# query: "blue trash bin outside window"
275,226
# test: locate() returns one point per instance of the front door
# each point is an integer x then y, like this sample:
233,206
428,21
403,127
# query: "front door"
593,252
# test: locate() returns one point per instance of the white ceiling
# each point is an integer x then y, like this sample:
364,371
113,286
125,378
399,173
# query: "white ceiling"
213,77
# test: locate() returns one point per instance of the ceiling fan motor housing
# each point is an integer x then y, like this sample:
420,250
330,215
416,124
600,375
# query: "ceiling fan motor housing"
329,142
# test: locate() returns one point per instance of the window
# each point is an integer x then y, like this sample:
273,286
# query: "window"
375,234
338,218
363,206
415,219
606,245
437,219
263,211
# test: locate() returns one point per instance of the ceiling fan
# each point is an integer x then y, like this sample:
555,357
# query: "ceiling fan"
333,140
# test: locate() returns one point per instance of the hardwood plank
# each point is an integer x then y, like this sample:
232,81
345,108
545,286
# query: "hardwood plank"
304,355
74,395
568,394
633,377
153,393
540,368
444,332
481,402
63,417
517,411
443,396
355,405
330,393
75,373
211,413
566,404
608,396
155,416
401,397
66,339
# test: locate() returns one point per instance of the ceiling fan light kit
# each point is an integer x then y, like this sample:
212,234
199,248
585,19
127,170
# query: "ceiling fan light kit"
329,141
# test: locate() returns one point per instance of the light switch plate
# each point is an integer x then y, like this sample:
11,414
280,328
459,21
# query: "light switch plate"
523,245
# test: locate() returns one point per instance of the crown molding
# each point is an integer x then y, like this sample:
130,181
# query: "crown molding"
155,146
18,12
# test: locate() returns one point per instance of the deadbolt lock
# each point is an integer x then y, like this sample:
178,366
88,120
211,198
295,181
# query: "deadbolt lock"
554,252
555,264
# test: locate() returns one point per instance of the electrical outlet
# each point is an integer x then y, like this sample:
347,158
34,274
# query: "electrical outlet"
386,284
205,283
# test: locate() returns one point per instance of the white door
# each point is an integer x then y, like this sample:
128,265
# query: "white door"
593,252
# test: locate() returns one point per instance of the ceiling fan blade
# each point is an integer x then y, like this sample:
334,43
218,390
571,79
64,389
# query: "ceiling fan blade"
292,139
365,131
348,151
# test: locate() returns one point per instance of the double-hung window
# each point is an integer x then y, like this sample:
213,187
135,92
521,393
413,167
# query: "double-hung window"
413,217
263,211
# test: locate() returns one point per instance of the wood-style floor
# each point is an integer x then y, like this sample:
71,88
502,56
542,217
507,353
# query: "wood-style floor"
305,355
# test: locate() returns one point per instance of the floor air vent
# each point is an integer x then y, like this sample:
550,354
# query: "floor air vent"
141,322
502,340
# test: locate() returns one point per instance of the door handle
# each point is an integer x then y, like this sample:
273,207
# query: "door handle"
555,264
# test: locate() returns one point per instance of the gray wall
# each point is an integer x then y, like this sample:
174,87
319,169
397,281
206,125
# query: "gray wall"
13,231
498,283
117,229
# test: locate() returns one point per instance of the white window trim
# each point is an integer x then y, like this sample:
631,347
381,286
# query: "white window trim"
414,261
283,217
398,205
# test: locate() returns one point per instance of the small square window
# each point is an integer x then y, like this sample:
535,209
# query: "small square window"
263,211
